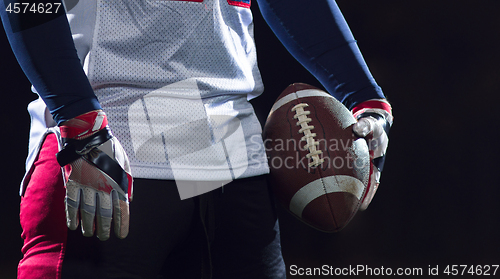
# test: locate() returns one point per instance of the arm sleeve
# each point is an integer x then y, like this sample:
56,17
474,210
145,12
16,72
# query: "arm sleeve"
44,48
317,35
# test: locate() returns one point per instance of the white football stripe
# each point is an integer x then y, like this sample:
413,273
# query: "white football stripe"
299,94
317,188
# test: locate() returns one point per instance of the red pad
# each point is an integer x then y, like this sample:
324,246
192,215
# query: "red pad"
43,218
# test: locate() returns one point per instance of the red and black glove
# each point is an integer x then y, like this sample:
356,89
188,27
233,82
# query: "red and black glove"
374,121
97,176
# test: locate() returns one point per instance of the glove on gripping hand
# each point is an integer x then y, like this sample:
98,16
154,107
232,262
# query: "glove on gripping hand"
374,121
97,176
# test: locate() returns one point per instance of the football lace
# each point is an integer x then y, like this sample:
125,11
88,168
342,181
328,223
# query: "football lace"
305,128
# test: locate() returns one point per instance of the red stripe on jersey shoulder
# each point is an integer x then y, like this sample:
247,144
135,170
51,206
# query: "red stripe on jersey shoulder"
240,3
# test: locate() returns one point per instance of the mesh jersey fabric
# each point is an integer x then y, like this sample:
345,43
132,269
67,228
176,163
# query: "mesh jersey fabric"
174,78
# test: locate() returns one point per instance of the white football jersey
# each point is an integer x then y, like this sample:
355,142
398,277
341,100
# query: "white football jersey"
174,78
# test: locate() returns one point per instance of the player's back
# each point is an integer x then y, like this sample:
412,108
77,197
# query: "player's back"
174,78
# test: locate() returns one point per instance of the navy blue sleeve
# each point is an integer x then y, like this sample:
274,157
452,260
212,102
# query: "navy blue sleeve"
317,35
44,48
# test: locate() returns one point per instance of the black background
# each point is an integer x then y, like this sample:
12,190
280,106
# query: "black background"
438,64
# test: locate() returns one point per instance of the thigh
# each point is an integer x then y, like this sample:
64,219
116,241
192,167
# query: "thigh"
247,241
42,216
159,221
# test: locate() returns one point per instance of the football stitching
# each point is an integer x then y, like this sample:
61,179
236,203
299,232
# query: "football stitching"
303,121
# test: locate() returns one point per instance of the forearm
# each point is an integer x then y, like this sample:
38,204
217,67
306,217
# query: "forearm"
44,48
317,35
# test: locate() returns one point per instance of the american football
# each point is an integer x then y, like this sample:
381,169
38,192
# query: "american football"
319,168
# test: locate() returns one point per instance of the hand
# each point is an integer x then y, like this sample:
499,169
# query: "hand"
97,176
374,121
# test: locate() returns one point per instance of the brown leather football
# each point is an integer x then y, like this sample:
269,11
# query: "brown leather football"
319,168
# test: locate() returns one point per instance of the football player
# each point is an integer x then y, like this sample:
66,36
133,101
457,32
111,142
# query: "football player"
159,90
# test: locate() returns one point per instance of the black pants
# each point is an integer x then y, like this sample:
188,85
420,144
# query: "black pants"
231,232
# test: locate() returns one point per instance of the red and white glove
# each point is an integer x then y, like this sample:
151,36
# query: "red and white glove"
374,121
97,176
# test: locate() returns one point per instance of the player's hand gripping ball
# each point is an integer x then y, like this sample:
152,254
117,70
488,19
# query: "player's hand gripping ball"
374,121
98,180
319,168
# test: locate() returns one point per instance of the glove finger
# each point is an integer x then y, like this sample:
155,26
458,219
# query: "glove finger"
87,211
121,216
103,216
72,203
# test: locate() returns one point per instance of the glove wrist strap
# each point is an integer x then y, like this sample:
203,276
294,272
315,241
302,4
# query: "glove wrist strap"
74,149
372,104
84,125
